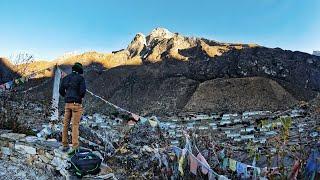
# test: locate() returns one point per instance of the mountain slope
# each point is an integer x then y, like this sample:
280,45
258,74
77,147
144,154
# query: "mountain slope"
170,58
166,72
7,70
240,94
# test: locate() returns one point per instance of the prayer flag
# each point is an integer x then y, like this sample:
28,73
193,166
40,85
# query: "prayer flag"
256,172
232,165
153,123
193,164
55,96
225,163
222,154
181,160
242,168
211,176
295,169
143,119
2,87
204,166
254,162
176,151
313,163
131,123
135,117
222,177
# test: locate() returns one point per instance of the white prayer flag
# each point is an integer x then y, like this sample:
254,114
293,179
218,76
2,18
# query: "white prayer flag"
55,95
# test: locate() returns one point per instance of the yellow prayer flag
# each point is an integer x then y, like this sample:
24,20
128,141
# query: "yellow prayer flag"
232,165
153,123
180,168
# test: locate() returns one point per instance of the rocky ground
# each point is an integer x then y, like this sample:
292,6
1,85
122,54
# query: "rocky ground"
132,152
18,170
144,152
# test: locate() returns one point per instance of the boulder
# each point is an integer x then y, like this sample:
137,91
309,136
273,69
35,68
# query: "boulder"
31,139
25,149
14,159
21,174
13,136
44,159
6,151
48,155
30,159
58,153
39,164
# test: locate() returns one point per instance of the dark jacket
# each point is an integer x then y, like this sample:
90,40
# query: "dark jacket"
73,88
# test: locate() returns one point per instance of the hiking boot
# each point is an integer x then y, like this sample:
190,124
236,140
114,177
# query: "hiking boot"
72,152
64,149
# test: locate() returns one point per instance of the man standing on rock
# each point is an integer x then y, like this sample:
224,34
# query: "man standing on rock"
73,89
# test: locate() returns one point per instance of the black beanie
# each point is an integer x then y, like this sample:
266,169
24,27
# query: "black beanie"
77,67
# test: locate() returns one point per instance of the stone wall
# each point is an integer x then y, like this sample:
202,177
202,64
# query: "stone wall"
43,155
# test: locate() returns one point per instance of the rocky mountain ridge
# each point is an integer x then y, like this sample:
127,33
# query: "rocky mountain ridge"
167,72
173,66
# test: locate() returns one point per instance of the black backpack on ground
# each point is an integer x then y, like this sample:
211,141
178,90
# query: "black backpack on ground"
85,162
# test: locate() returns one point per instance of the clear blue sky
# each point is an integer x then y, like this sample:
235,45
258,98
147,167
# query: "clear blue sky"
51,28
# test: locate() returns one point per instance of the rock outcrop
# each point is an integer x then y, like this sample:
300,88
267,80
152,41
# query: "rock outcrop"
159,34
137,45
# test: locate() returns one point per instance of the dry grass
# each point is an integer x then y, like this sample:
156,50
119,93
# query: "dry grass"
253,45
213,51
106,60
218,50
35,66
238,47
